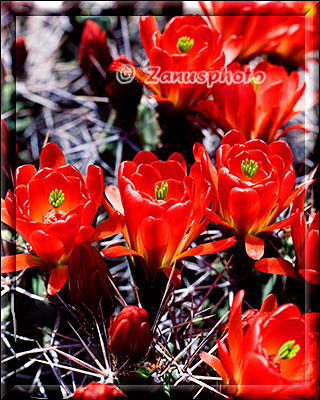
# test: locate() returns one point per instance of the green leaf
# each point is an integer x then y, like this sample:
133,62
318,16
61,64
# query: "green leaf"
148,127
144,372
5,308
22,124
38,285
8,98
102,21
268,286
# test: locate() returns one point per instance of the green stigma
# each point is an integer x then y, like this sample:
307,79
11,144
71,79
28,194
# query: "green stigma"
162,192
184,44
288,350
254,83
56,199
249,169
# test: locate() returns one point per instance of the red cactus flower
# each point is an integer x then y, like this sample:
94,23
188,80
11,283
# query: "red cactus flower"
94,55
53,210
188,45
265,27
305,238
258,109
88,279
96,390
164,212
301,41
129,333
253,183
272,353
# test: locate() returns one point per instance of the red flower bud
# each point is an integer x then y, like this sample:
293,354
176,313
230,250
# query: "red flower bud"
19,55
88,281
96,390
94,55
124,97
129,333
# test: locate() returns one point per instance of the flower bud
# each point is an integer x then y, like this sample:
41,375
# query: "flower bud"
96,390
94,55
129,333
125,98
88,279
19,55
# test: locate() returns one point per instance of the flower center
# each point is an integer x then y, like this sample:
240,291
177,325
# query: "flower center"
287,351
56,199
249,169
53,216
184,44
162,192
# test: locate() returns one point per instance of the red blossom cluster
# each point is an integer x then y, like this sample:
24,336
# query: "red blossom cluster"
162,207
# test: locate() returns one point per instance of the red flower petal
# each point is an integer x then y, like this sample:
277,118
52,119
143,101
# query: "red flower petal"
287,311
244,206
5,217
280,224
310,254
113,195
119,339
84,233
310,275
145,157
176,275
208,248
148,28
19,262
276,266
110,227
269,304
153,233
232,137
51,156
94,180
119,251
23,174
232,47
58,278
178,157
254,247
226,361
312,321
215,218
214,363
143,337
47,247
235,333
